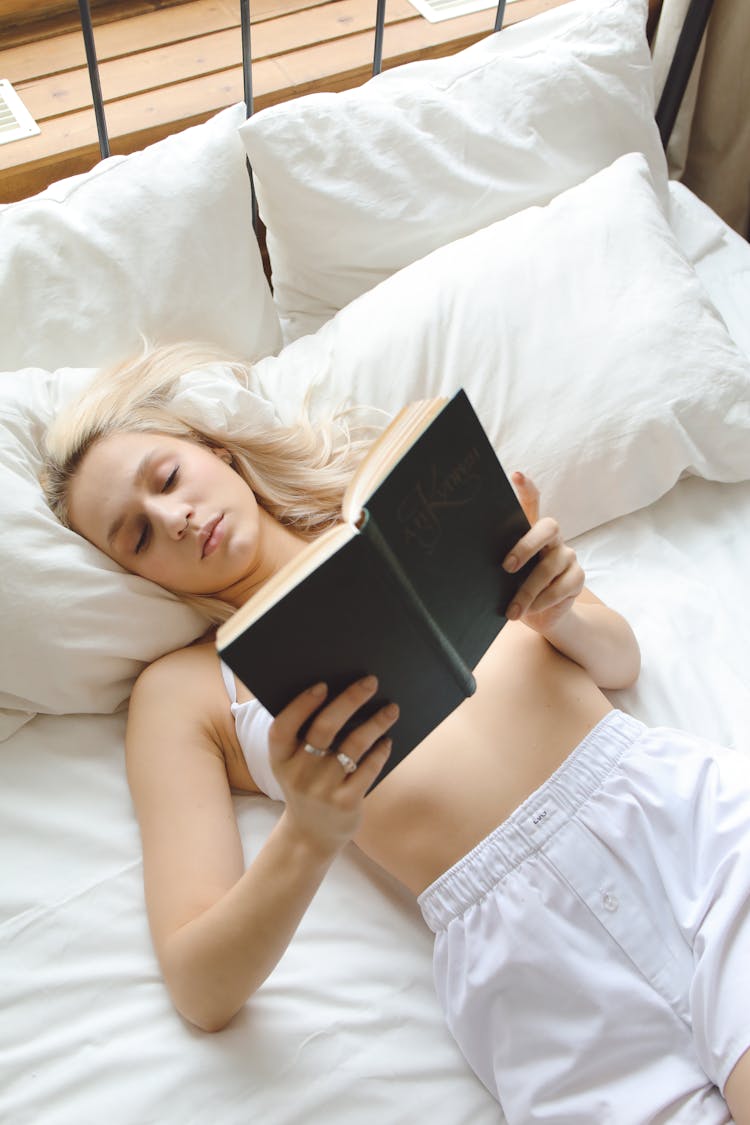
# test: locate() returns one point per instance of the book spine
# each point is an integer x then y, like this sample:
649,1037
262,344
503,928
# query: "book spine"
420,614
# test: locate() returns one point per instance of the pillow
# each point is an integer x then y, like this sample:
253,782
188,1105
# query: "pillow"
158,243
355,185
581,335
76,628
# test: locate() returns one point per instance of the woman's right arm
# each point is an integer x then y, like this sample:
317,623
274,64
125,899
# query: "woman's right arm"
217,928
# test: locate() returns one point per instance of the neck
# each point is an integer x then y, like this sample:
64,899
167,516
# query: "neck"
278,546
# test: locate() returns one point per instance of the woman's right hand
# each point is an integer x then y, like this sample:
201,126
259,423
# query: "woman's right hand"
323,800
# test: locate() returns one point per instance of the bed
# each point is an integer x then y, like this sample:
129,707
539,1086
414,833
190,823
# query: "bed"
596,314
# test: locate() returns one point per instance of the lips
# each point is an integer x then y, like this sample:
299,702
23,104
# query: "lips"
212,535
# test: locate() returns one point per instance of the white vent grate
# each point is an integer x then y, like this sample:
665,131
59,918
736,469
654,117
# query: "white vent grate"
15,120
436,10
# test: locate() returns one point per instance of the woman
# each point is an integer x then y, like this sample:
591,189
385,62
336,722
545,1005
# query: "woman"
586,878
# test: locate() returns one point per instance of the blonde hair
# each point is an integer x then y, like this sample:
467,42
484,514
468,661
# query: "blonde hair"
297,472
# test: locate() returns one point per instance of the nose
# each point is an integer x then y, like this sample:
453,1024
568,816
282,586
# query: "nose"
173,515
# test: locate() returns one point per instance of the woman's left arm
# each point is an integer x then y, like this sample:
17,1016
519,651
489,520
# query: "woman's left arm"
554,602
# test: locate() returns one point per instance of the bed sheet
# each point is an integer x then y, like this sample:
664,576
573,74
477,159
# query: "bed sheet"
347,1029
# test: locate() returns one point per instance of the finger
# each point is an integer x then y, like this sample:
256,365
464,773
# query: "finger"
548,584
544,533
565,586
285,727
359,741
368,769
328,722
540,578
528,495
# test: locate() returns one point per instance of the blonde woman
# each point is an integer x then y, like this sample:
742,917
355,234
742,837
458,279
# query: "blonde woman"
586,878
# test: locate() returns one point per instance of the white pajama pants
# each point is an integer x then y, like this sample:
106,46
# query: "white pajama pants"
592,955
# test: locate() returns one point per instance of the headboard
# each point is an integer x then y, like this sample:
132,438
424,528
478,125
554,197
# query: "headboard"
688,44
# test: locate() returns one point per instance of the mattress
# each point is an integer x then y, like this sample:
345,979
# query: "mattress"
347,1029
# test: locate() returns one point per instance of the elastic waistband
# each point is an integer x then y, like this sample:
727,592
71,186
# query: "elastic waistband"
528,828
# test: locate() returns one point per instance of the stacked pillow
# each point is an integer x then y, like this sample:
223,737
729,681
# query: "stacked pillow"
354,186
580,333
158,245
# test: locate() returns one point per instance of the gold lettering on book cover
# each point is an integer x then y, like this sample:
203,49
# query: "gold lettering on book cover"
420,510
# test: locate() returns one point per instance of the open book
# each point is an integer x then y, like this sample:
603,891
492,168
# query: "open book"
409,587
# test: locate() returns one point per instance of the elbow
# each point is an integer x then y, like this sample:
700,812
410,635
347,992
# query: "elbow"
633,661
205,996
206,1023
622,683
201,1010
627,665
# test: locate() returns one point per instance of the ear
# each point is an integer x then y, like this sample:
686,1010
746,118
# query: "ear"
222,453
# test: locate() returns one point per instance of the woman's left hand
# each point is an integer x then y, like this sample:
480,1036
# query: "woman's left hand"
556,580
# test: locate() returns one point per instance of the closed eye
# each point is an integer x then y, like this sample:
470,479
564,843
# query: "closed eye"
143,540
170,479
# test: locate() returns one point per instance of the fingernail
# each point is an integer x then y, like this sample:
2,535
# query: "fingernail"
511,563
369,683
392,711
318,691
514,611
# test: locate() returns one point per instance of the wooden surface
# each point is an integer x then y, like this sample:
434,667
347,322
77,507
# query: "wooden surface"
165,66
168,64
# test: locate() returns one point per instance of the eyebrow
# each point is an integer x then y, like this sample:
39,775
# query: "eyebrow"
140,473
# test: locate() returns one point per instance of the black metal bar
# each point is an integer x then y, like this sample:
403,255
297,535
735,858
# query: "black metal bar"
688,44
247,86
247,69
499,14
377,58
96,89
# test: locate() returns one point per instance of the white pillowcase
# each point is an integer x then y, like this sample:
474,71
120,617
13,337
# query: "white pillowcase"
581,335
355,185
159,243
76,628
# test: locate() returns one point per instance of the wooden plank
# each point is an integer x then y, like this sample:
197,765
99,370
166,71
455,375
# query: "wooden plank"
129,36
68,143
16,11
342,65
180,62
24,22
117,39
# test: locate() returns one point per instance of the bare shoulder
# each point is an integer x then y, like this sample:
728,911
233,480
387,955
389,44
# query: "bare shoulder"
182,689
196,666
181,699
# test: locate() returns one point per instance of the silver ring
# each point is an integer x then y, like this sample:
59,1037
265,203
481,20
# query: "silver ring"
348,763
314,750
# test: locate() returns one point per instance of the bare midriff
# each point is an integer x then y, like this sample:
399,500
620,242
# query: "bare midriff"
531,709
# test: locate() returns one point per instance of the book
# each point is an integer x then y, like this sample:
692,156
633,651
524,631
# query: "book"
409,586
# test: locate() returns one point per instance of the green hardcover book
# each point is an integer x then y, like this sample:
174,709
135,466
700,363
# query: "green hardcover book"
409,587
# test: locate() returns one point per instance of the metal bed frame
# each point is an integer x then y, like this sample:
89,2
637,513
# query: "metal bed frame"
678,77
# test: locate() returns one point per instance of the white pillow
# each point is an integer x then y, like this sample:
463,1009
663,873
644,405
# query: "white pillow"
581,335
76,628
159,243
355,185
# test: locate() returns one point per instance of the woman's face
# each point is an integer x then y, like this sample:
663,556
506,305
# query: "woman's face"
168,509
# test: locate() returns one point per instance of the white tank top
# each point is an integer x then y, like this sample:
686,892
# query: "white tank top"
252,723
